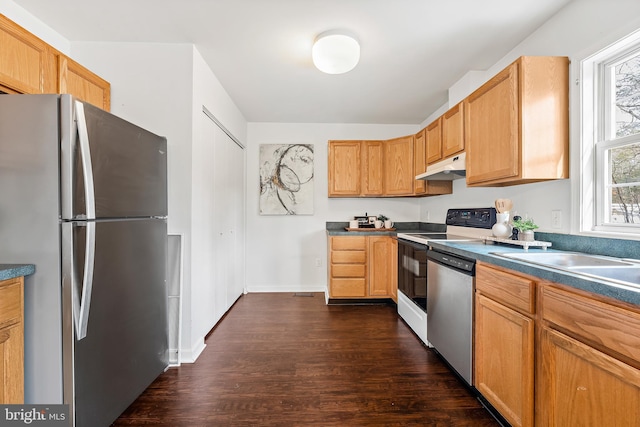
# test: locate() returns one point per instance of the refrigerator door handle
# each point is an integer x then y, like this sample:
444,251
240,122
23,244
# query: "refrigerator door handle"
82,299
85,157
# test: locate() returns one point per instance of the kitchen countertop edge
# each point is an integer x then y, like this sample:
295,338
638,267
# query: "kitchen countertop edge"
482,252
11,271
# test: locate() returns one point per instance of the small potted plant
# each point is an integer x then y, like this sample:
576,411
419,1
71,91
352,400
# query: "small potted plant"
525,227
380,221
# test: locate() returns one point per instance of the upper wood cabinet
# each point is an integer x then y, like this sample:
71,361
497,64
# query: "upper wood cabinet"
345,168
517,124
29,65
379,169
433,138
85,85
356,168
372,168
26,63
453,131
419,161
398,171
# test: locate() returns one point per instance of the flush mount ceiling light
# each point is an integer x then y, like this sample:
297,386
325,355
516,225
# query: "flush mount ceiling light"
335,52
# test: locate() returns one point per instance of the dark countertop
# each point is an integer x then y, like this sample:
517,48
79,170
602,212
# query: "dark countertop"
11,271
483,252
480,251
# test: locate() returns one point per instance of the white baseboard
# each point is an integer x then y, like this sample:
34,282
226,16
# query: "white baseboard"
190,355
267,288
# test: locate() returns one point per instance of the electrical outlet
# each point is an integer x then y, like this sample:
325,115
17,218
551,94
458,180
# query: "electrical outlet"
556,219
318,262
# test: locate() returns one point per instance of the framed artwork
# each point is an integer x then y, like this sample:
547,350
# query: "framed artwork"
286,179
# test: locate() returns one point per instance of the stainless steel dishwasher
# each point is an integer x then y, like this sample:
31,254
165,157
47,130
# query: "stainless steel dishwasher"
450,288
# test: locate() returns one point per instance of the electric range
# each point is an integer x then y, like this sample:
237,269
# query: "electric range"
463,225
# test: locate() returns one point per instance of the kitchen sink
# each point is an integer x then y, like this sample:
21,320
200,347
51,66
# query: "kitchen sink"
611,269
564,259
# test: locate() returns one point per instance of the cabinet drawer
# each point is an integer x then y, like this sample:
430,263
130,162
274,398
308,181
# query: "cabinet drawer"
348,243
348,270
10,302
348,257
510,289
611,329
348,287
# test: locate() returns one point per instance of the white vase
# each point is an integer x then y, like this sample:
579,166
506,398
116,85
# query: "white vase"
501,228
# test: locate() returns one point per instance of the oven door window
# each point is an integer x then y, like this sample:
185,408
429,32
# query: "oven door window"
412,272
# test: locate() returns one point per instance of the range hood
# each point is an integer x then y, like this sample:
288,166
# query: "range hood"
446,170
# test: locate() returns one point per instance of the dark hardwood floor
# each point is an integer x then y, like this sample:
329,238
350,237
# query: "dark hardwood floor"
278,359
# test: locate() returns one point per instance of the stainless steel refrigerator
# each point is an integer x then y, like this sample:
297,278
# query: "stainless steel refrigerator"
83,196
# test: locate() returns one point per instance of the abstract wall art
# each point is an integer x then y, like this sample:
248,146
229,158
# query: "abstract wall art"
286,179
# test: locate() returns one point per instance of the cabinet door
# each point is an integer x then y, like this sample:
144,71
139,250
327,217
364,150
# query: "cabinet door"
581,386
381,261
83,84
11,341
344,168
372,168
492,129
398,172
12,370
24,59
504,360
433,137
420,161
453,131
394,270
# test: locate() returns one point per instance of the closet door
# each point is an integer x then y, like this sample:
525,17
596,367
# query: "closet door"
218,223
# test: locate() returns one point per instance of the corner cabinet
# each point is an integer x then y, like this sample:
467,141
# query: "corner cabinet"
517,124
362,266
379,169
12,341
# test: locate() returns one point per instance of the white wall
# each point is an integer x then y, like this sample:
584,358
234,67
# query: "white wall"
32,24
282,250
580,29
163,87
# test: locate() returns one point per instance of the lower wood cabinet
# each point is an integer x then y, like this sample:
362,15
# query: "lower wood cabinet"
581,386
551,355
504,343
362,266
589,360
12,341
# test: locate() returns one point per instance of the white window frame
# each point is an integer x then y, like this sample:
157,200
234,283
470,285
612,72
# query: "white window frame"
594,73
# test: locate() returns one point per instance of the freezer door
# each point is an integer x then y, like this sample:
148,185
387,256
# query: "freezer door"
126,343
110,168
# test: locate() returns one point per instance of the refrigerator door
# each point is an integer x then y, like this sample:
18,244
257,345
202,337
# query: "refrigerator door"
110,168
126,342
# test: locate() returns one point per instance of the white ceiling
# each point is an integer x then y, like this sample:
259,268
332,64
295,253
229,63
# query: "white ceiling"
412,51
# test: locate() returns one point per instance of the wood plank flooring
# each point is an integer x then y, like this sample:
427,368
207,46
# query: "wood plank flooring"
278,359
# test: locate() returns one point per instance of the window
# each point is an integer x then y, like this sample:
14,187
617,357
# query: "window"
611,139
